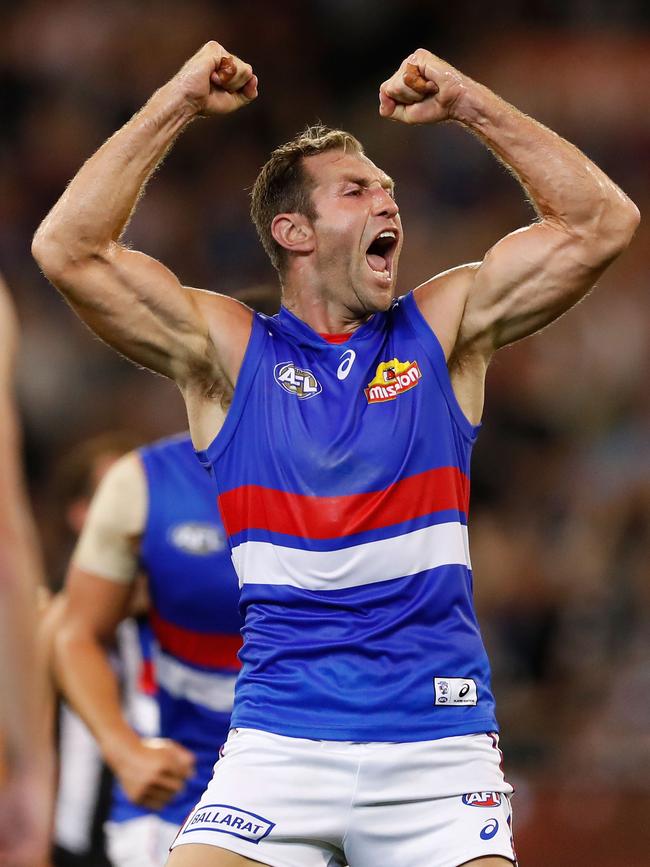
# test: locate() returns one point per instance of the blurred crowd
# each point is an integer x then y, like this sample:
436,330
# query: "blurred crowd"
561,475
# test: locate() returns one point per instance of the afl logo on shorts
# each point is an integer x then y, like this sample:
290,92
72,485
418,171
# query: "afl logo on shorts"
392,379
482,799
296,381
196,538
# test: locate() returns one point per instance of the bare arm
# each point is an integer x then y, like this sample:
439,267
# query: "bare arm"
536,273
131,300
96,600
24,745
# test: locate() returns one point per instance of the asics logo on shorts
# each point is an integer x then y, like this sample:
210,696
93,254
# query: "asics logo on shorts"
225,819
489,829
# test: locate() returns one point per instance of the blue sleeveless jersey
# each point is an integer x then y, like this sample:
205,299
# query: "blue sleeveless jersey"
342,473
193,614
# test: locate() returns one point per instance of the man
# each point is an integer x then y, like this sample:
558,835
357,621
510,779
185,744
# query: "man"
25,752
83,782
342,470
154,513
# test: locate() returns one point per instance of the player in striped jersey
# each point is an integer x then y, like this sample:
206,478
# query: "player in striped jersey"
364,724
153,514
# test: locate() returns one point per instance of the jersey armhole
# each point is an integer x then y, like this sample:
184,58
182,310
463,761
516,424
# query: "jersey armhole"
431,345
256,342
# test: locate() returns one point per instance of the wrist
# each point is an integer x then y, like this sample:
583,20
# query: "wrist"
473,105
170,104
118,745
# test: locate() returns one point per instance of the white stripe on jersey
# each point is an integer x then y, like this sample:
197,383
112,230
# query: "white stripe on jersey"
383,560
205,688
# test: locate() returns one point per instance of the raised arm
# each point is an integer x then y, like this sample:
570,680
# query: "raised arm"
536,273
129,299
96,598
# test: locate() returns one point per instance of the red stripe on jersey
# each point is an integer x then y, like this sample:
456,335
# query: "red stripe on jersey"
147,679
200,648
256,507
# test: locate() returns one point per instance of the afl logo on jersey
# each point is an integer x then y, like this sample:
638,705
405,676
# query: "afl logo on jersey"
392,379
296,381
197,538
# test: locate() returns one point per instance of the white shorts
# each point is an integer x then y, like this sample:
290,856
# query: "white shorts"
291,802
140,842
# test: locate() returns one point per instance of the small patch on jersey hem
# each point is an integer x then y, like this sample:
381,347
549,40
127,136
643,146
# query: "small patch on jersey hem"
455,691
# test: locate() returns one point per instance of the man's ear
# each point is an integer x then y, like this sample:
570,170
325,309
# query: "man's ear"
293,232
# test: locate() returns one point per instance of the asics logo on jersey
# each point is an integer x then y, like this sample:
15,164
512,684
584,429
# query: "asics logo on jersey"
392,379
482,799
455,690
296,381
194,537
347,360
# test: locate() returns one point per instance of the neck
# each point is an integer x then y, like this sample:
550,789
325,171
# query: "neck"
311,301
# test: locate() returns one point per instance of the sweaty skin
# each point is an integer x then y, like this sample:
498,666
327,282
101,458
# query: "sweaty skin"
524,282
96,599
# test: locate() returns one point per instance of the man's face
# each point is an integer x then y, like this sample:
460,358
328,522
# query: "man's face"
358,230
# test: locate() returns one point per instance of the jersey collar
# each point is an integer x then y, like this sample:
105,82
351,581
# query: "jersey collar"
305,334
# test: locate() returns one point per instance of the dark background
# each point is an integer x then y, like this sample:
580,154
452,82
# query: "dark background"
561,476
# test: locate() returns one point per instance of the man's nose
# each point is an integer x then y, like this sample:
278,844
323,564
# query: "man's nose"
384,205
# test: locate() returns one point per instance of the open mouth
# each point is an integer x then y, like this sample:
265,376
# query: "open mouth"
379,254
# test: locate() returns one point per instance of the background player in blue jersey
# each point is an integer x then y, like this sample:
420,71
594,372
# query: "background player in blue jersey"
346,504
153,514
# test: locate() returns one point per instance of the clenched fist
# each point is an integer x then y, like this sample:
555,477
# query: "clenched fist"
153,771
216,82
425,89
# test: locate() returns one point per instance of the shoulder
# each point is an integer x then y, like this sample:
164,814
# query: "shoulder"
221,310
229,324
442,300
121,497
115,522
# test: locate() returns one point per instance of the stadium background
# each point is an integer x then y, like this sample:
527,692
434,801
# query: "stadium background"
561,476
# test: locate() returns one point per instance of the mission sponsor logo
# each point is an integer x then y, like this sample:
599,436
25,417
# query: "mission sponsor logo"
296,381
482,799
392,379
197,538
225,819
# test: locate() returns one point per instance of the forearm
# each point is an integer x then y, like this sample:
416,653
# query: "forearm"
95,208
563,184
85,677
22,683
21,686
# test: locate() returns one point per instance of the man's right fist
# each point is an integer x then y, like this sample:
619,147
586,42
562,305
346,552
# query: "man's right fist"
153,771
215,82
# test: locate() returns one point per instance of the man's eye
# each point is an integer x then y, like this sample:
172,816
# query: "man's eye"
355,192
